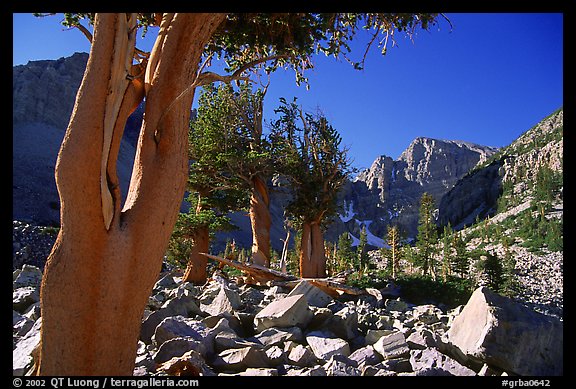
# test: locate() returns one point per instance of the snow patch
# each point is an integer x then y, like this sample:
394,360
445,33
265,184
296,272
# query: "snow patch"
348,212
370,237
355,240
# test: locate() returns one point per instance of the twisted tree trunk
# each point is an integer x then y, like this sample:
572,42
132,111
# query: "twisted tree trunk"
312,253
260,221
196,271
106,260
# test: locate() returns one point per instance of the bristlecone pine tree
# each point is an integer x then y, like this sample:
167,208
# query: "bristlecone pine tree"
254,166
109,252
230,164
309,154
214,144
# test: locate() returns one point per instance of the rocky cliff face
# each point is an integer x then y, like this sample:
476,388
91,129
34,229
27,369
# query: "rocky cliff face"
44,91
43,98
516,165
390,191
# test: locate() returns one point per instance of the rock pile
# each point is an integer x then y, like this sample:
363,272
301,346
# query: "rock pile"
540,276
31,244
542,281
229,328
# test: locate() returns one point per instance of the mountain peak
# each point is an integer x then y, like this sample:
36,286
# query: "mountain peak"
430,145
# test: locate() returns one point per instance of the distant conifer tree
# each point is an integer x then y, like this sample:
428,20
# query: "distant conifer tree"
427,236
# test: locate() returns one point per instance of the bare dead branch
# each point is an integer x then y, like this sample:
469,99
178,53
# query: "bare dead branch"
266,275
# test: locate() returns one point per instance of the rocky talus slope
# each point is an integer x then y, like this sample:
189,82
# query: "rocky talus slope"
227,327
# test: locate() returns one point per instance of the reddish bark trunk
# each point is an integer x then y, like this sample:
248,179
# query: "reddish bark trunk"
312,253
261,221
105,261
197,263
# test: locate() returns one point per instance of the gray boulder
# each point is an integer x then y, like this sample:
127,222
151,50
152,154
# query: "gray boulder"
314,371
176,347
426,314
178,326
315,296
33,312
507,335
28,276
392,346
22,355
179,306
226,301
372,336
227,339
165,281
275,336
238,359
285,312
396,305
343,323
366,356
23,298
189,364
430,358
250,296
276,355
324,345
254,372
20,324
340,365
302,356
397,365
421,338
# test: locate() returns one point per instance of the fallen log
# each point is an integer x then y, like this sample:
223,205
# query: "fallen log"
258,273
331,287
264,275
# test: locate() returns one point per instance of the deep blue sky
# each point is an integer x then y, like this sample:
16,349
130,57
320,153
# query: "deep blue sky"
487,80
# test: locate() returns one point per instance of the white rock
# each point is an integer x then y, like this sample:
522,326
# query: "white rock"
392,346
430,358
314,296
496,330
286,312
22,359
226,301
324,346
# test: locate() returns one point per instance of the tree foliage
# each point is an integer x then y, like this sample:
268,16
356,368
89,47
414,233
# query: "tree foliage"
226,142
546,187
310,155
460,263
361,249
427,236
345,254
246,41
393,240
